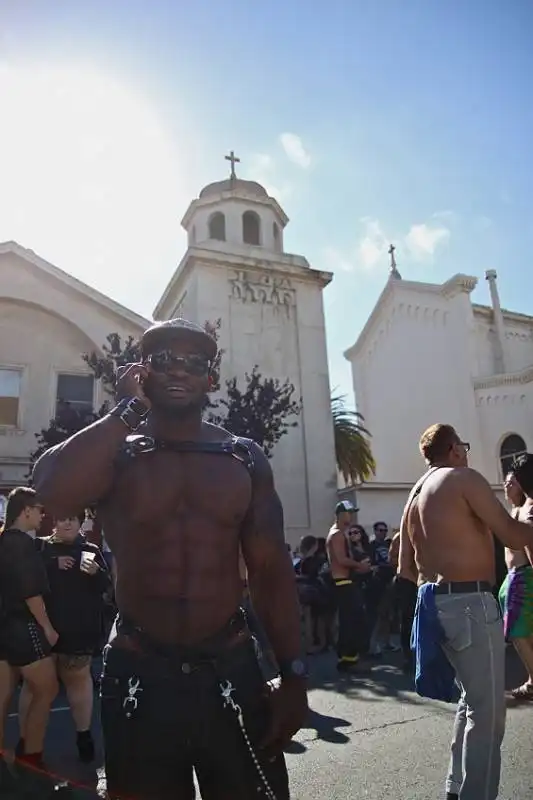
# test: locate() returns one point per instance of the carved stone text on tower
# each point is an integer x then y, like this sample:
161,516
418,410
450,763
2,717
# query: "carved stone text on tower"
267,289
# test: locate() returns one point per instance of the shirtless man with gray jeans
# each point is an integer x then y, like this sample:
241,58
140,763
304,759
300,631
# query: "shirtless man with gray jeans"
446,537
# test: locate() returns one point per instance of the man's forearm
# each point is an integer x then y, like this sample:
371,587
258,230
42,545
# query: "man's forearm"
38,609
275,600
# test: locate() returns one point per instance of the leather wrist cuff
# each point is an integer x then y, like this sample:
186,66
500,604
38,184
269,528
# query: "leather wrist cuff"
131,411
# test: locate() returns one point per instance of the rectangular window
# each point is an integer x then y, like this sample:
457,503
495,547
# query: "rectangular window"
10,380
76,390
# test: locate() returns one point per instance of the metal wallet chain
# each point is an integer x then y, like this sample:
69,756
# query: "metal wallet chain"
226,690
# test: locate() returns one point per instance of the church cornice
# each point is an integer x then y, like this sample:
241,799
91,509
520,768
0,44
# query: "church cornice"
457,284
282,265
507,379
512,316
74,285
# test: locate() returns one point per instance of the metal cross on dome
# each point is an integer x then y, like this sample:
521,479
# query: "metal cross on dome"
232,158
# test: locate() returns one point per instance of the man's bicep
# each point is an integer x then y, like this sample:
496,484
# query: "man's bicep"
263,533
484,503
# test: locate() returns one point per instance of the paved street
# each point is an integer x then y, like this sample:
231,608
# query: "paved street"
366,738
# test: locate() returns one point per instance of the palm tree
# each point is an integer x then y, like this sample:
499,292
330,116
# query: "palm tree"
352,448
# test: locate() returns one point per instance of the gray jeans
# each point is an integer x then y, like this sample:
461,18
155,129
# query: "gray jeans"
475,647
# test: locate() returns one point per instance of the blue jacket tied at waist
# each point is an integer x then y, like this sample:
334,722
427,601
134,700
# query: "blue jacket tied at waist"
435,676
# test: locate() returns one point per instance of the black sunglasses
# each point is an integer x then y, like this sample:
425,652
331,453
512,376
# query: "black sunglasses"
193,364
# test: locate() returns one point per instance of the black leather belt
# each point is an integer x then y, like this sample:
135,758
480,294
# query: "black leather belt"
206,651
462,587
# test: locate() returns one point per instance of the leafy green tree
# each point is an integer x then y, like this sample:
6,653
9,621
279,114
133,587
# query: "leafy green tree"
352,446
263,411
66,423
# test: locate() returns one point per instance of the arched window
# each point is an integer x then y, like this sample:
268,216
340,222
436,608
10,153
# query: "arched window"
275,234
217,226
512,446
251,228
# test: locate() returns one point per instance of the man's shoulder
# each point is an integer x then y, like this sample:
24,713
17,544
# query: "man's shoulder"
17,541
216,433
333,531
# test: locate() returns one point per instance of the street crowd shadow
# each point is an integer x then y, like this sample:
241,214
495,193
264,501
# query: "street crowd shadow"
378,680
385,680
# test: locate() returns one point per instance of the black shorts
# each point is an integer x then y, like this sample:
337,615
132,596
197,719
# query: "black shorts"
23,641
163,717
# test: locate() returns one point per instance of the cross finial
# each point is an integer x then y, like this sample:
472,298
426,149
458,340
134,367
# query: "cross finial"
393,268
232,158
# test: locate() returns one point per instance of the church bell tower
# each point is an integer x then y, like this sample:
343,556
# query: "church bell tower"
271,310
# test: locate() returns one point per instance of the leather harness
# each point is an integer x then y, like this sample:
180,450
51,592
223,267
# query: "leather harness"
138,444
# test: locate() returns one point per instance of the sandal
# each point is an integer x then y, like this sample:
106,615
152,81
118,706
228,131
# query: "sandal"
524,693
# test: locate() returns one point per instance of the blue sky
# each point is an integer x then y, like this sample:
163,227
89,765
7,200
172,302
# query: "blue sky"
371,120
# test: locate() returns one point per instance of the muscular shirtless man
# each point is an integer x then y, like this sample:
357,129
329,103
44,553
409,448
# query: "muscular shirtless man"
446,536
352,638
182,688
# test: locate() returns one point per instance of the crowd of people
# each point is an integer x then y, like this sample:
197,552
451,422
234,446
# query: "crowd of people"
354,613
203,583
56,595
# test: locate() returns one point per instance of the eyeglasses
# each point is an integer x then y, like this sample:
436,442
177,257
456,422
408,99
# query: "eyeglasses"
165,361
466,446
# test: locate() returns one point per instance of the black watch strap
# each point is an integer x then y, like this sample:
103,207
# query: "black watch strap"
295,668
131,411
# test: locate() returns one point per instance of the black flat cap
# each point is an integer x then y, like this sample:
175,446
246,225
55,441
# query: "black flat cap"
163,332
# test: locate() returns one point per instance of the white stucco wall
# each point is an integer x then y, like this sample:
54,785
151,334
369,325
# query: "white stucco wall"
415,370
45,326
428,355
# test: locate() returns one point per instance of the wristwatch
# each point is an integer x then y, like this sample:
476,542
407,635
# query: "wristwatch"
297,668
131,411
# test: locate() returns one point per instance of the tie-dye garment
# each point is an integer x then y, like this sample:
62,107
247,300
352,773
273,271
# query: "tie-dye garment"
516,600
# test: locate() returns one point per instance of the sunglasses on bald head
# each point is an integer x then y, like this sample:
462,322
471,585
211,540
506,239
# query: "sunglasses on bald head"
192,363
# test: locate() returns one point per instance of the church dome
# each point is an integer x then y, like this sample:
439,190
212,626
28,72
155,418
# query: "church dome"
232,185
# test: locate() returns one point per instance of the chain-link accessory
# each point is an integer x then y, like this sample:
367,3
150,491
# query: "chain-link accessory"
226,690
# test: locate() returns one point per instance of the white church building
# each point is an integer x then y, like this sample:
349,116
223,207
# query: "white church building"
235,268
428,354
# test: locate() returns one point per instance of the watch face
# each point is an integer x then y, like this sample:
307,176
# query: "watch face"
298,668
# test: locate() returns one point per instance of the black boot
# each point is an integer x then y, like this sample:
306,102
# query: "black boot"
85,743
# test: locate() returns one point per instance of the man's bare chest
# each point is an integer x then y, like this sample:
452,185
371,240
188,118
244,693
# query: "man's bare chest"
176,484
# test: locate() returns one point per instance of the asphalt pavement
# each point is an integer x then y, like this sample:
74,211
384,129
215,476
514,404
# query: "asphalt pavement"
366,737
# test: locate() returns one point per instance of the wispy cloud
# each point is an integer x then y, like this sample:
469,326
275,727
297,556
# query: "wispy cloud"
334,260
506,197
263,169
371,251
295,150
373,245
422,239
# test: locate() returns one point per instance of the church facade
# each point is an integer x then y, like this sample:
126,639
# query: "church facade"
235,269
428,354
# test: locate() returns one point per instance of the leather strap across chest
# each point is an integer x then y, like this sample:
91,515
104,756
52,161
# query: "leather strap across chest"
136,445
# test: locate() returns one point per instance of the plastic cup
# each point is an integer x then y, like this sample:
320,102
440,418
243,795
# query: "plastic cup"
86,560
